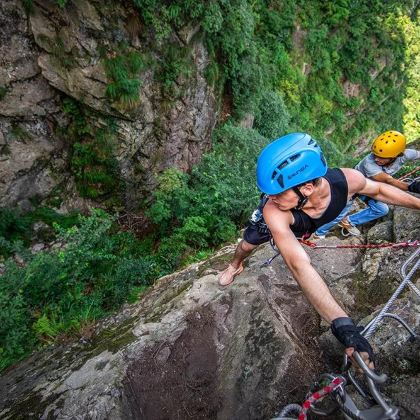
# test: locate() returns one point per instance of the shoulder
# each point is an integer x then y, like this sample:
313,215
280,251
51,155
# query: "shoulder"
275,218
368,167
355,180
411,154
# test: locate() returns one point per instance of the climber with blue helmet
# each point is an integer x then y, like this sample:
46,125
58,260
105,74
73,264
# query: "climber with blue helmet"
300,194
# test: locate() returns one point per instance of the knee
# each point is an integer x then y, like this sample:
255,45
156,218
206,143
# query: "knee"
246,246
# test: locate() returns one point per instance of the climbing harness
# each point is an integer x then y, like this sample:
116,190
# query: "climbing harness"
276,254
257,219
379,408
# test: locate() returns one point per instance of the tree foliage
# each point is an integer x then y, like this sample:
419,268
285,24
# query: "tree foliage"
305,52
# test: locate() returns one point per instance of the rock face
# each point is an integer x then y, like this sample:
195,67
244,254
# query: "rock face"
58,51
27,142
190,349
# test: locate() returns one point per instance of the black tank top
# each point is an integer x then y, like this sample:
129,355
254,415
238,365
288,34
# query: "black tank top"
304,224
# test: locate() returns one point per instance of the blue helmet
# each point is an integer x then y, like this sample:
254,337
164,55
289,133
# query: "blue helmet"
289,161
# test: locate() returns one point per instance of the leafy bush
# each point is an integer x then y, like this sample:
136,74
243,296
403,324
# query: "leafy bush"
336,158
272,119
177,62
16,228
171,199
61,290
223,183
197,212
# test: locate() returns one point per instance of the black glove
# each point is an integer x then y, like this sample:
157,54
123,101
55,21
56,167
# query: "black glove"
414,187
349,335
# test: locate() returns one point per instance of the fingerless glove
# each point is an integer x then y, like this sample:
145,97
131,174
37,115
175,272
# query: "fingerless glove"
414,187
349,335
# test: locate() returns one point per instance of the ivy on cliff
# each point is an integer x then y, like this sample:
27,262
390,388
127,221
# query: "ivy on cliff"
92,159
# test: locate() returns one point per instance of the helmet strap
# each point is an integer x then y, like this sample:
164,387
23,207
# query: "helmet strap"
302,198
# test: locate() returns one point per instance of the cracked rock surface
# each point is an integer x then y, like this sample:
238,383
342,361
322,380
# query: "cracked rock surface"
191,349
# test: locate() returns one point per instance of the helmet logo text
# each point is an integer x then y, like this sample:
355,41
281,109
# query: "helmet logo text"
297,172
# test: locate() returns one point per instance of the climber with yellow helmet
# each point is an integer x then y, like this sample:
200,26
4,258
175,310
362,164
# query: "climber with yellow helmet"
388,155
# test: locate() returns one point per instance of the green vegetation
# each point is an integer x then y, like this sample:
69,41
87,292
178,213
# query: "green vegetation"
176,63
62,290
199,211
272,119
28,5
92,160
59,291
341,68
122,70
411,29
304,53
16,228
3,92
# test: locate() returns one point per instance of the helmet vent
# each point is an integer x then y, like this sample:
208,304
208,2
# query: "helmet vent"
311,141
280,181
282,165
294,157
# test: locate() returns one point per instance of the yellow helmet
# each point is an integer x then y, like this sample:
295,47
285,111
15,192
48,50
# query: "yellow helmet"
389,144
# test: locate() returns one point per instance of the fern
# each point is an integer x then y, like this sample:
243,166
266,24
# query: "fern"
123,86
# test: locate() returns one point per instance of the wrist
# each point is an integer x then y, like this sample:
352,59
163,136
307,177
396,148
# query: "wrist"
341,322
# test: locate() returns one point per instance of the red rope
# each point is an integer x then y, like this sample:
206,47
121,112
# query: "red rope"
409,173
316,396
385,245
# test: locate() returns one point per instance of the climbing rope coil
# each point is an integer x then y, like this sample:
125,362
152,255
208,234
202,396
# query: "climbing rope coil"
334,385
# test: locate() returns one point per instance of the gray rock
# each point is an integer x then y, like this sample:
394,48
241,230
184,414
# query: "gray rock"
59,52
189,346
193,348
37,247
25,113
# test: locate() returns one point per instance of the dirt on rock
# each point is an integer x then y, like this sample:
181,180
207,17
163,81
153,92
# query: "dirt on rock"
177,381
